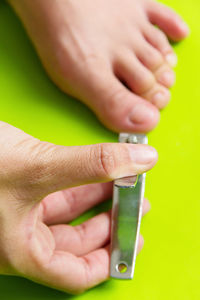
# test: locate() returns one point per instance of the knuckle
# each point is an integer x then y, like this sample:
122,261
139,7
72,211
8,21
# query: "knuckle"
111,158
81,231
86,283
72,201
106,161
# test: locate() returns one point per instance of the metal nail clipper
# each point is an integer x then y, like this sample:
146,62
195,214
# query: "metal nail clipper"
128,196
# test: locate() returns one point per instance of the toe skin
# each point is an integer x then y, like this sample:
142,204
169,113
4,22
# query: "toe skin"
149,56
124,111
158,96
115,105
156,38
167,20
150,85
153,60
130,70
165,76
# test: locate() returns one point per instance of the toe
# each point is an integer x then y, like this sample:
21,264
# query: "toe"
123,110
167,20
118,108
165,76
133,73
159,41
140,80
152,59
140,244
158,95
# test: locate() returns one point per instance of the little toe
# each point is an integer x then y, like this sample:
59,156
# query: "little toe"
167,20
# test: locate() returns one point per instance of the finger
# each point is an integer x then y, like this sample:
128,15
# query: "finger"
69,273
64,206
39,168
72,274
86,237
59,167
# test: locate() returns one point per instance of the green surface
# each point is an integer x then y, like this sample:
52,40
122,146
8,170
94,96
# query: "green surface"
169,265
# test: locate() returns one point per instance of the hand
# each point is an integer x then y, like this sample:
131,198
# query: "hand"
38,198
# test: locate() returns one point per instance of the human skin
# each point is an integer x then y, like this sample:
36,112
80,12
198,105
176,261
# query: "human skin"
91,47
42,188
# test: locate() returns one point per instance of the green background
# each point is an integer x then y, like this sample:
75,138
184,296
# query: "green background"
168,267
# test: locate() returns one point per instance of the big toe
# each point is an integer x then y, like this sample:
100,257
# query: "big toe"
118,108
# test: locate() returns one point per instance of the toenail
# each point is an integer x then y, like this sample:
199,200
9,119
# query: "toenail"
159,99
185,27
141,113
171,58
167,78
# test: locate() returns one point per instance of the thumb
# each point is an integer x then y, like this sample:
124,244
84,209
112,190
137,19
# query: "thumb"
61,167
39,168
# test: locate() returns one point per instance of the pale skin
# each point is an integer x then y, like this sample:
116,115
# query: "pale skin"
43,187
89,48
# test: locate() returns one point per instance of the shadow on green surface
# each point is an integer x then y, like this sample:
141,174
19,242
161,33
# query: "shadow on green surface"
16,288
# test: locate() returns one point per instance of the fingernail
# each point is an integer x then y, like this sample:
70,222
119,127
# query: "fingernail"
141,113
167,78
172,59
142,154
158,97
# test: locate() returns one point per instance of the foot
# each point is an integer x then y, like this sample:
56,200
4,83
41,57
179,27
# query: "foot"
108,54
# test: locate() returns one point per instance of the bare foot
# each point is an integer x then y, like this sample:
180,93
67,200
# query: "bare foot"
108,54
